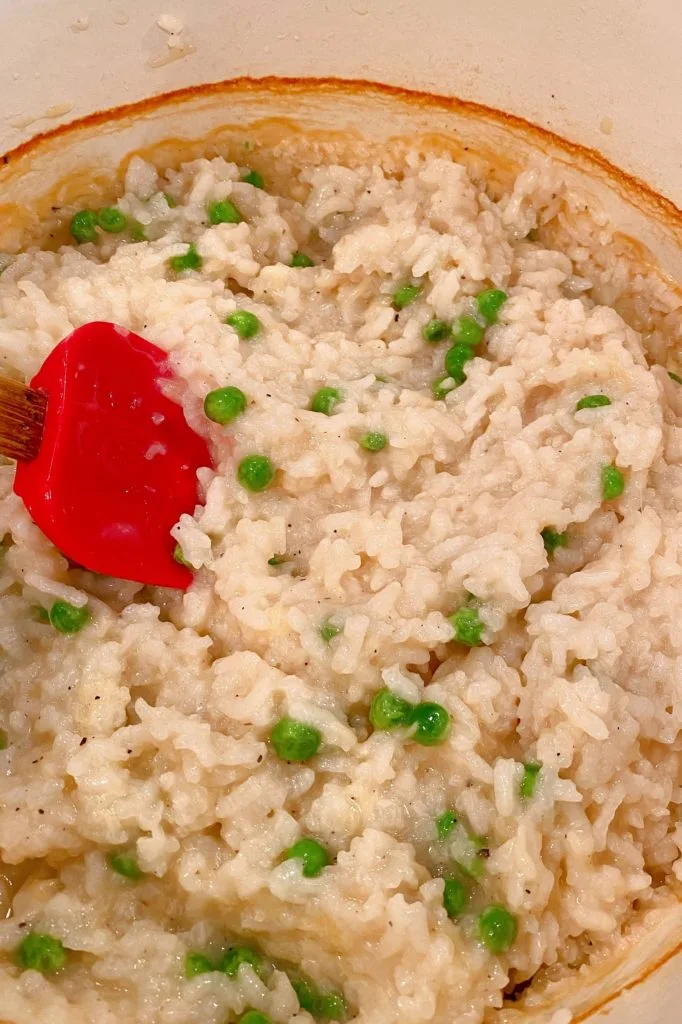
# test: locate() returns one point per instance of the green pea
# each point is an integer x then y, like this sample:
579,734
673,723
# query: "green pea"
235,956
170,201
497,929
190,260
301,261
180,558
612,483
253,178
307,994
111,219
255,472
455,361
312,854
83,226
675,376
125,866
552,539
245,323
442,386
325,400
388,711
467,626
4,740
223,212
328,630
405,295
592,402
197,963
254,1017
225,404
471,858
490,302
454,897
432,723
435,331
531,770
466,331
137,232
295,741
445,824
373,442
67,619
333,1007
41,952
277,560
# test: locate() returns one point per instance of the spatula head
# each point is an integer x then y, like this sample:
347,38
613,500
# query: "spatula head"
117,464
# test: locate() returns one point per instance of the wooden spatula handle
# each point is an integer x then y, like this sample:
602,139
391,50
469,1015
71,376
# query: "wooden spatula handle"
22,415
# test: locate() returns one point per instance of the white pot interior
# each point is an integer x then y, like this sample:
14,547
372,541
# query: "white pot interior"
591,72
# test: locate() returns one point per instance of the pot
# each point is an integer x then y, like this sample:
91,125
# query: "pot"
557,65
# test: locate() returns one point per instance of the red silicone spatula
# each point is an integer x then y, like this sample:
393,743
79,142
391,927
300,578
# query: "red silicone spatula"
106,461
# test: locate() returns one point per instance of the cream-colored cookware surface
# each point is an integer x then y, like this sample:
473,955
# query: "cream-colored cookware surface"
602,72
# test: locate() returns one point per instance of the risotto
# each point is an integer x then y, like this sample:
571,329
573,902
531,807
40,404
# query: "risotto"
412,736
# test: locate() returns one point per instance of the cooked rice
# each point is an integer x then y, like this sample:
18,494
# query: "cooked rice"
149,729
